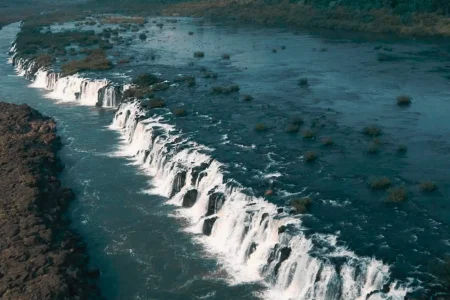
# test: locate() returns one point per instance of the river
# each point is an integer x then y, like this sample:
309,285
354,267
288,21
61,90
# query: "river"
349,245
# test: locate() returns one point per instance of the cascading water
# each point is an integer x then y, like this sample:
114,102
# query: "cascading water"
69,88
256,240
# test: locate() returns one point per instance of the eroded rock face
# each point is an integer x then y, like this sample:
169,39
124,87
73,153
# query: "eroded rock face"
39,257
215,203
208,225
190,198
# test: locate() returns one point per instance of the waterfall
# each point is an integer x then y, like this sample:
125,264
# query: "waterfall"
255,239
109,96
72,88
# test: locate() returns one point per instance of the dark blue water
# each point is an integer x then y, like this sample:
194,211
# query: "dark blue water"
349,89
141,251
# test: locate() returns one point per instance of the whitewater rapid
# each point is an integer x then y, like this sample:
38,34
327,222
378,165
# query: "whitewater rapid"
254,239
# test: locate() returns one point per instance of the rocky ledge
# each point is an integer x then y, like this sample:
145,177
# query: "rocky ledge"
40,258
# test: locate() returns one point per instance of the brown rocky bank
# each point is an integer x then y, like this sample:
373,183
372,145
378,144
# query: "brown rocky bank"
40,258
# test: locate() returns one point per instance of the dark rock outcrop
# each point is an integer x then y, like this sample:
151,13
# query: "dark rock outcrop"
198,173
178,183
40,258
208,225
190,198
215,203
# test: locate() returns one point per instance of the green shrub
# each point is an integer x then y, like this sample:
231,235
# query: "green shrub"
199,54
160,86
191,82
326,141
44,60
297,120
226,56
380,183
260,127
157,103
373,148
179,112
94,62
428,186
191,33
301,205
372,131
396,195
234,88
303,82
142,36
292,128
308,134
310,156
209,74
217,90
404,100
402,149
224,90
274,50
283,47
123,61
378,47
247,98
145,80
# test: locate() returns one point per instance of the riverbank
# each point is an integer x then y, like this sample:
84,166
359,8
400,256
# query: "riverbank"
40,257
306,16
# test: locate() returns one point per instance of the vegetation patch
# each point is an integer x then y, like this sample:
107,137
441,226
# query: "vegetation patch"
404,100
308,134
303,82
179,112
396,195
380,183
292,128
123,20
199,54
372,131
327,141
428,186
226,56
142,36
224,90
297,120
247,98
260,127
301,205
96,61
402,149
145,80
157,103
373,148
310,156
